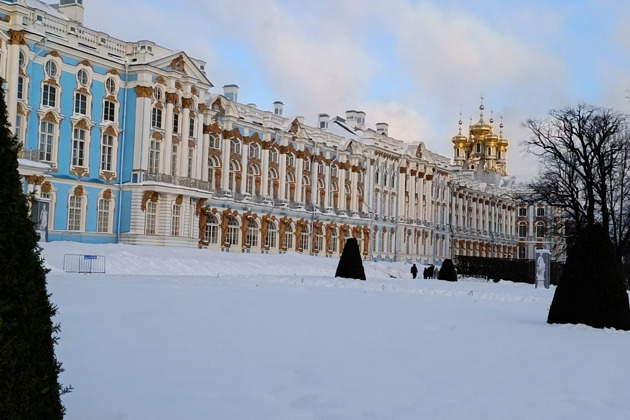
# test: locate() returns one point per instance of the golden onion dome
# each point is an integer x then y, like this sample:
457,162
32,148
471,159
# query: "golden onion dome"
491,139
480,129
459,140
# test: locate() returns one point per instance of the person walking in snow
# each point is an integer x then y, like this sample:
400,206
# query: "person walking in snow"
414,271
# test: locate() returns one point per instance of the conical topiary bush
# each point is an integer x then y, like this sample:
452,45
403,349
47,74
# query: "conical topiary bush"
447,272
591,290
350,264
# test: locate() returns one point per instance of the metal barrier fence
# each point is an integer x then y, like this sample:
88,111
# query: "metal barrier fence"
82,263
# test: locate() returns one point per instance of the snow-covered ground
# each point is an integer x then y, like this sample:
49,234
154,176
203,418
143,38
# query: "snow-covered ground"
186,334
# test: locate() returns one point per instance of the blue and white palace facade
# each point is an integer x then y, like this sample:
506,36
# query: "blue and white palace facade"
128,144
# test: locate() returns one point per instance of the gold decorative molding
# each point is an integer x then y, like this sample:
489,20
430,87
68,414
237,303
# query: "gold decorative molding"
171,97
201,107
143,91
85,63
46,187
160,80
233,133
53,53
78,191
110,131
107,194
78,171
82,124
21,110
193,90
107,175
191,144
149,195
16,37
213,128
51,81
113,71
178,63
157,135
199,205
179,199
175,140
188,103
178,85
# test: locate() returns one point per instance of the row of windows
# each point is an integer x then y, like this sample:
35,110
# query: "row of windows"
157,122
540,211
77,210
540,230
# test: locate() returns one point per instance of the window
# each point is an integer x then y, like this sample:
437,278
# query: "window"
540,230
150,218
288,237
522,252
522,230
306,183
176,217
175,123
212,228
334,171
307,164
109,111
78,147
80,104
174,159
522,211
157,94
273,156
191,158
21,59
252,234
75,206
213,171
231,238
49,95
154,157
51,68
289,181
102,218
191,128
254,151
253,173
270,239
540,212
20,87
271,178
235,146
107,153
46,135
304,239
320,239
234,169
82,77
290,160
110,86
215,142
332,243
156,118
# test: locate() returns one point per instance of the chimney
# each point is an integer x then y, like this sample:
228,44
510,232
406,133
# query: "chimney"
73,9
277,108
322,120
382,128
231,92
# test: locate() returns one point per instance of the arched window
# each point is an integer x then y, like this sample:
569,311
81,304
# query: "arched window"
150,218
320,239
253,173
307,164
334,190
272,232
272,180
214,168
231,237
252,234
176,219
289,181
332,244
212,228
290,160
306,183
540,230
522,230
215,141
288,237
235,168
334,171
273,156
305,239
321,191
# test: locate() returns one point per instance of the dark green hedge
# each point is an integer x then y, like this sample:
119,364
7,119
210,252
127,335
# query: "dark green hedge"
521,271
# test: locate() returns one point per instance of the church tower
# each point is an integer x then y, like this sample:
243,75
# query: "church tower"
483,151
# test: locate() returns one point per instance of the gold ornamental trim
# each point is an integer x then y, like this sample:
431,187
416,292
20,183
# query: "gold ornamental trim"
16,37
143,91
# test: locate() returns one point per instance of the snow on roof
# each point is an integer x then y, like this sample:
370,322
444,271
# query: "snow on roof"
44,7
33,164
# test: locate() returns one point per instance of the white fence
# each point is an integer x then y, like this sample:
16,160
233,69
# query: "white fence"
83,263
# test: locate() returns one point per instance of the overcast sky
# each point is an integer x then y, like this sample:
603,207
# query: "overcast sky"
413,64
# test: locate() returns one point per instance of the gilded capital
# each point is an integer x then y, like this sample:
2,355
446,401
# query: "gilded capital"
16,37
171,97
144,91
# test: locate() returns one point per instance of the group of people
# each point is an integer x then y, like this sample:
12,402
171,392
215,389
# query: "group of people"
429,272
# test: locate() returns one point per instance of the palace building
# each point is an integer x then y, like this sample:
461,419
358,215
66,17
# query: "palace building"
127,143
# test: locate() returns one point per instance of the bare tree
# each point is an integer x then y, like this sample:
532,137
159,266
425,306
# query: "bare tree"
584,167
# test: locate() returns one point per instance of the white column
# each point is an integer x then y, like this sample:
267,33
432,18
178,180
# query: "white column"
299,169
13,72
143,127
183,152
168,135
205,148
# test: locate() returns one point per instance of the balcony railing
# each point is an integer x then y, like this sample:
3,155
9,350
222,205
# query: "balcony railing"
179,180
